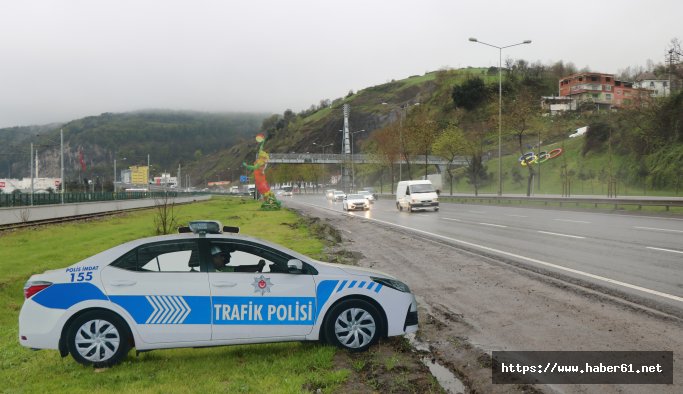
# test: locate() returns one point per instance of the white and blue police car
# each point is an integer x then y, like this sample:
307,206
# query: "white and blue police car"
207,286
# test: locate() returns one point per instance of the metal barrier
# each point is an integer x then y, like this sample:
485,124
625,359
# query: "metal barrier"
24,199
566,201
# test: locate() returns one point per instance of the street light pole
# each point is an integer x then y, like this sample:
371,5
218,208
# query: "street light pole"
500,106
353,160
116,174
61,159
31,173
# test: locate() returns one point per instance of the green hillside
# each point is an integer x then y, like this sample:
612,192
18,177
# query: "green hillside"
640,147
170,138
644,143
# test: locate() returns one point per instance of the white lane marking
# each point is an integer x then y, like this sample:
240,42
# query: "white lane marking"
516,216
562,235
493,225
455,220
541,262
571,221
665,250
477,211
657,229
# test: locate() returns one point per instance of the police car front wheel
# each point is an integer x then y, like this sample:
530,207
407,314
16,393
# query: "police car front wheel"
98,338
354,325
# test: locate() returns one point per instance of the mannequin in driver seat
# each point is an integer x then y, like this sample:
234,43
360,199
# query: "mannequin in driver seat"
220,260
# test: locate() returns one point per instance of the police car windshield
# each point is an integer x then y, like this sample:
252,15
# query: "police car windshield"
421,188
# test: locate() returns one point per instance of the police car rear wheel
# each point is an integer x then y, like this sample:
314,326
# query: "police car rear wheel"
98,338
354,325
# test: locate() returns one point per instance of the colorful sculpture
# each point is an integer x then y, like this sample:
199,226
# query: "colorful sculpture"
259,169
533,158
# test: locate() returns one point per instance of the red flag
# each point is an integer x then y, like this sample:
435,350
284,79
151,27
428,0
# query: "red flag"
80,158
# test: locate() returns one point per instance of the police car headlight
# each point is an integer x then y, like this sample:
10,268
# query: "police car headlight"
393,283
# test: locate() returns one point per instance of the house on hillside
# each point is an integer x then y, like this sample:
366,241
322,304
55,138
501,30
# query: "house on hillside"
598,91
657,87
557,104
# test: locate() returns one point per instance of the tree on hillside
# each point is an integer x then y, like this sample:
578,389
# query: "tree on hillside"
470,94
474,111
385,146
521,111
477,126
450,144
420,133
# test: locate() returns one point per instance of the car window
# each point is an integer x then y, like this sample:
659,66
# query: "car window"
422,188
162,257
247,257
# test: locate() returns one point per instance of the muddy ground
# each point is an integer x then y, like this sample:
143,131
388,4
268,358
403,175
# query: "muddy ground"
471,305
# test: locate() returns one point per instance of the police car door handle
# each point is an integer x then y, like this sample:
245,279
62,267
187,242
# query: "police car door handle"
123,283
224,284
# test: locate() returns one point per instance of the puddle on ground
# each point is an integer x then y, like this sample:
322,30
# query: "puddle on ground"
447,379
444,376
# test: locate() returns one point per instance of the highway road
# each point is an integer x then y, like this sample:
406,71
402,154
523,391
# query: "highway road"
634,256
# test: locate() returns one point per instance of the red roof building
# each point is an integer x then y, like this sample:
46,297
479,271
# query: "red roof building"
601,91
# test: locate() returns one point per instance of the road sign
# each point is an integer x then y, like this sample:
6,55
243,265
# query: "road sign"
244,179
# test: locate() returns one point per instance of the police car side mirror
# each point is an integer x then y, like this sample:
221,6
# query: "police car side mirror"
295,266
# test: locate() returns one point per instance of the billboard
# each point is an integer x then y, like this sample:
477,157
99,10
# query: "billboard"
139,175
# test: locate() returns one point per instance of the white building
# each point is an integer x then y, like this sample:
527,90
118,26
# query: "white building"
24,184
166,180
658,87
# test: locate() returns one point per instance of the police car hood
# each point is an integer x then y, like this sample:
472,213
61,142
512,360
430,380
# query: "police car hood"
351,270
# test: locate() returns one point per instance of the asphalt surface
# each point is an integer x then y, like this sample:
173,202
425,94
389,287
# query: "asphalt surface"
481,287
638,256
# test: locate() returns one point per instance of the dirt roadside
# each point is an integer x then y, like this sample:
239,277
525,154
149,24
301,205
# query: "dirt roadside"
471,305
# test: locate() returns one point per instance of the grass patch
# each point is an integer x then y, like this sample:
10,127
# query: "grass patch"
283,367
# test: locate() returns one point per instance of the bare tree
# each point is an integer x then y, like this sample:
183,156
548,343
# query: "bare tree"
450,144
386,147
24,214
421,133
165,219
522,112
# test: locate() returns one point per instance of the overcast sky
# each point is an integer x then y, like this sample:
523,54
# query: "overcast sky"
65,59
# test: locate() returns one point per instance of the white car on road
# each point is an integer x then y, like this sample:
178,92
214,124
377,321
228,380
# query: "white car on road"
355,201
207,288
368,195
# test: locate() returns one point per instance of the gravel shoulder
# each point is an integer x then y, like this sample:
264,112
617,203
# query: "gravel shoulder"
471,305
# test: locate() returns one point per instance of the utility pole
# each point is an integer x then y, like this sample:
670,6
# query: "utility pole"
346,149
31,173
62,184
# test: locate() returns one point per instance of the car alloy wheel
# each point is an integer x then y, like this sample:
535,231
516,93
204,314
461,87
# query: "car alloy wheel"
355,328
354,325
98,338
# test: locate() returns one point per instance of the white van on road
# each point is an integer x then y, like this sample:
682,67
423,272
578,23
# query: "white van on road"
419,194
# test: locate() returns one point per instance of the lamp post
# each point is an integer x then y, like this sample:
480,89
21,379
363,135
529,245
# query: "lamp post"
353,160
500,105
115,174
323,148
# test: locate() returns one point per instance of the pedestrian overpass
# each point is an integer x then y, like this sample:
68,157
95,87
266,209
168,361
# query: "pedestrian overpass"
335,158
